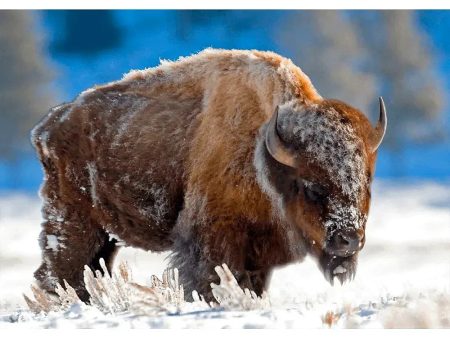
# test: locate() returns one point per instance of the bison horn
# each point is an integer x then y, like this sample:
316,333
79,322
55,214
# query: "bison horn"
380,129
275,145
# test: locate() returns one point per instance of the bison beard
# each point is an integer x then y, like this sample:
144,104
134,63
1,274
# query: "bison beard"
343,268
177,158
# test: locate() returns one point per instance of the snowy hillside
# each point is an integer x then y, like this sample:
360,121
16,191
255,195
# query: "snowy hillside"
403,278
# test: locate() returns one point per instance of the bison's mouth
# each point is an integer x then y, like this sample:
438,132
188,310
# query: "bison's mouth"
343,268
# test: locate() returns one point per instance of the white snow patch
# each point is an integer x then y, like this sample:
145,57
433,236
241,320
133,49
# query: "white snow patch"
115,237
402,280
65,115
43,139
339,269
52,242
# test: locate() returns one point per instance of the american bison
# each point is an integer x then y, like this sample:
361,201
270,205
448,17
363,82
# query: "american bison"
226,156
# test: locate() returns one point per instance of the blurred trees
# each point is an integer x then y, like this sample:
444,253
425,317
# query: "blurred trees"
87,32
235,24
24,82
327,47
354,56
358,56
403,60
186,20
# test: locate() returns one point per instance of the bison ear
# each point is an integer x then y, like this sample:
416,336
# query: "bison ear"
275,145
378,133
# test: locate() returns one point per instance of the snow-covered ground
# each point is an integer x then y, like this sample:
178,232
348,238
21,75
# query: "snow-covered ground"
403,278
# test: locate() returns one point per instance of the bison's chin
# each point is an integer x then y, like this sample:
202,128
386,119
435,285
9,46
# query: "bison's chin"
343,268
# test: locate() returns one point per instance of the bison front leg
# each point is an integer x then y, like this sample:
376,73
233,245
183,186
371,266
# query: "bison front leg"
69,241
255,280
199,249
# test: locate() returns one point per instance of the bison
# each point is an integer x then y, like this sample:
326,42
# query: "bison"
226,156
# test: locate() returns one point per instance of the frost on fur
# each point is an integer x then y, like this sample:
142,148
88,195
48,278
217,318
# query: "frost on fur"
117,293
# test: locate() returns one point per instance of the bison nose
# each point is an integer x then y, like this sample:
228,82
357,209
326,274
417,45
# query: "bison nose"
345,243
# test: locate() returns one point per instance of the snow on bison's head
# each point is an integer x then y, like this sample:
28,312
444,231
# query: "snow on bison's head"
316,163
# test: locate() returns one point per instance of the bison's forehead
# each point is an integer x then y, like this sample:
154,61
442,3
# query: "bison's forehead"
331,142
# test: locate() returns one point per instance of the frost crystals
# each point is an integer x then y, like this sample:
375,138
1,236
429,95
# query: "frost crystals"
117,293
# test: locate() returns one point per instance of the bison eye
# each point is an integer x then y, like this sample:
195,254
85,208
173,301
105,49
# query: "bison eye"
314,192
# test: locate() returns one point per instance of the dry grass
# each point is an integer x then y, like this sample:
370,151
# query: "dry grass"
117,293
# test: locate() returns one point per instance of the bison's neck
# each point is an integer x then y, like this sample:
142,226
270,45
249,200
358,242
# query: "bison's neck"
241,90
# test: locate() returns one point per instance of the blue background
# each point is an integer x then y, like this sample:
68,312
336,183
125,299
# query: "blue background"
145,37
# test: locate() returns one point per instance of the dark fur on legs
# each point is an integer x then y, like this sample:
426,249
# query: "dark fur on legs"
64,264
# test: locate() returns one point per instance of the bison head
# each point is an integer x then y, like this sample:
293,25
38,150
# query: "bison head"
316,163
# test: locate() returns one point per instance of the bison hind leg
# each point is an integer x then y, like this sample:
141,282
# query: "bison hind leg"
66,251
70,238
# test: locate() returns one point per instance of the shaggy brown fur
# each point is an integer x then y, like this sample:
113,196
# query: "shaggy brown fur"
167,159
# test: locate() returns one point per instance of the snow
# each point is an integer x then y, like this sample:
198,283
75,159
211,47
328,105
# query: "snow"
120,242
43,138
92,170
52,242
339,269
403,277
